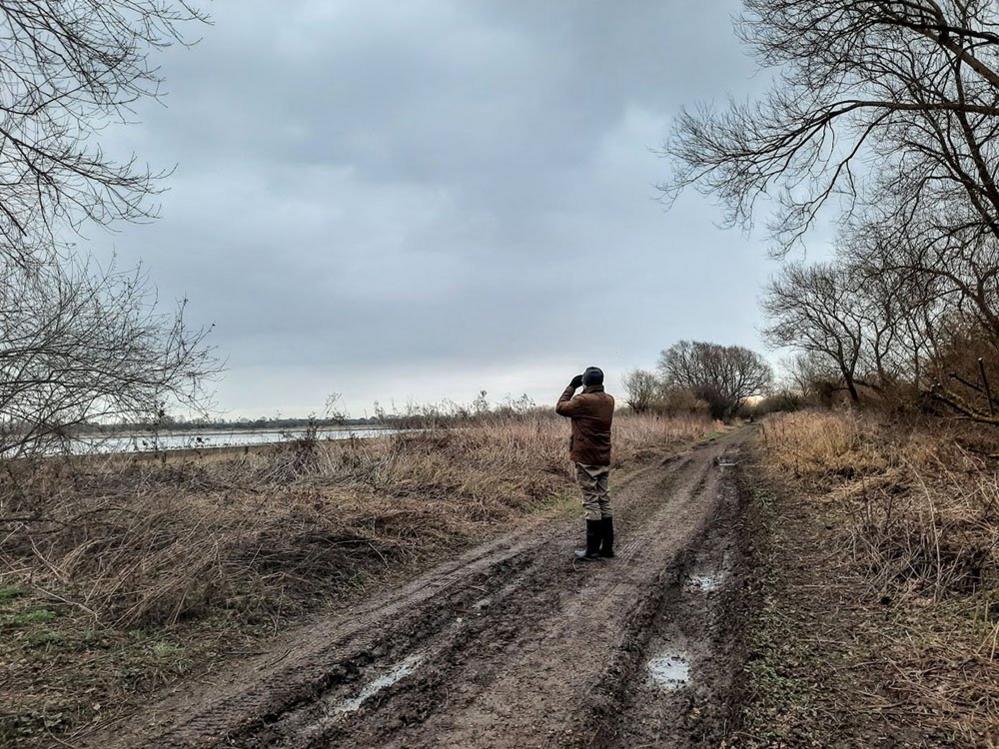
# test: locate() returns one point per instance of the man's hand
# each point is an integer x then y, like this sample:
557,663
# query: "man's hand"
577,381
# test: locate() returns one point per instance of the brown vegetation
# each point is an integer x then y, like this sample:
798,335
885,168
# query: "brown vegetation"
120,574
925,508
907,517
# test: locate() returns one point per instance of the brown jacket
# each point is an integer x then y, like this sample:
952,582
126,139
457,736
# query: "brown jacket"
592,412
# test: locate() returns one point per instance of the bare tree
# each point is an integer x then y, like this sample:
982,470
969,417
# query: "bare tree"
724,376
811,376
911,87
913,290
815,309
68,70
643,389
896,315
929,269
887,112
78,344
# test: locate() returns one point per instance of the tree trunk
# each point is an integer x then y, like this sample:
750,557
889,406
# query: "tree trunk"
854,395
851,385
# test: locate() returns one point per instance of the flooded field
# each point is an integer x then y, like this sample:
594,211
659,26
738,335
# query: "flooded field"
195,440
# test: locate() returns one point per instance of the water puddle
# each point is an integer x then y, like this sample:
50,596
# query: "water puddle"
670,670
395,674
705,582
707,578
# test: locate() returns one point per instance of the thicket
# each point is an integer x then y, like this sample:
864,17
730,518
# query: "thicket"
695,377
883,117
915,505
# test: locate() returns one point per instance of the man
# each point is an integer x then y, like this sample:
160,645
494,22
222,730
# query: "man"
592,412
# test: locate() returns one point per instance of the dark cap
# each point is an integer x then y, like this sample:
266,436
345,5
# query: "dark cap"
593,376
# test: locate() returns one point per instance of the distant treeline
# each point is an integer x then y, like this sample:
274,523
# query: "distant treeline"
170,424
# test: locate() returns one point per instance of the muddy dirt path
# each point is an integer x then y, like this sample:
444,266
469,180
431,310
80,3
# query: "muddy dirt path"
513,644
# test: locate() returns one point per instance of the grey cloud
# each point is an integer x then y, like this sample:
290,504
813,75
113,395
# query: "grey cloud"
459,189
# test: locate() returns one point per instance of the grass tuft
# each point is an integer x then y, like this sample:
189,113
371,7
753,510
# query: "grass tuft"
27,618
9,593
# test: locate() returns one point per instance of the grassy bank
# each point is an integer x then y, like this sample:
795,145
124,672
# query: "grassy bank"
878,595
119,576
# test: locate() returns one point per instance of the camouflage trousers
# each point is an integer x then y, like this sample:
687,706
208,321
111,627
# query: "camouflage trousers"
592,482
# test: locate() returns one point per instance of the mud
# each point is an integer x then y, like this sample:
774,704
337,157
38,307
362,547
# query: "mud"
390,677
513,644
697,640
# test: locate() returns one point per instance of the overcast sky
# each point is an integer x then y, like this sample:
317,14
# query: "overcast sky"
418,200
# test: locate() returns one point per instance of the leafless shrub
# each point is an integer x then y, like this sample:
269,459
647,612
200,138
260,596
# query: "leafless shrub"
677,402
722,376
642,389
80,344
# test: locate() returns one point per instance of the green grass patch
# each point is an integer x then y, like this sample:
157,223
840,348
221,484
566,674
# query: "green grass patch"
166,650
27,618
44,638
9,593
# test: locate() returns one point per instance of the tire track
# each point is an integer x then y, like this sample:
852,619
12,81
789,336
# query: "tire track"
510,644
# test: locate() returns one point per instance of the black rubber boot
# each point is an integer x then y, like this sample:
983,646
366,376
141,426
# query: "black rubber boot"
594,532
607,538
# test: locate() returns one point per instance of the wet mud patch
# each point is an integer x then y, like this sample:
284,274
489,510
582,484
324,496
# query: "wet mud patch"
669,670
371,667
686,690
391,677
708,576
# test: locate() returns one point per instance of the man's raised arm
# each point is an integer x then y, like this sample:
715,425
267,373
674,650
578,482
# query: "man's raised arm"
565,405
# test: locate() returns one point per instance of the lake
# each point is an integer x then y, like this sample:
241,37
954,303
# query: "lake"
202,439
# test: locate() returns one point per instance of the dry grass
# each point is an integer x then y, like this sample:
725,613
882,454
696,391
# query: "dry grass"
925,508
915,505
118,538
211,551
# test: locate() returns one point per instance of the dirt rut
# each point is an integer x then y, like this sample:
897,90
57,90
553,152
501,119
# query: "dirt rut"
513,644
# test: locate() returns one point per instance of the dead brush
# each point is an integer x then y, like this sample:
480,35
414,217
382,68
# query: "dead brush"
816,446
919,508
924,511
932,523
924,542
257,536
